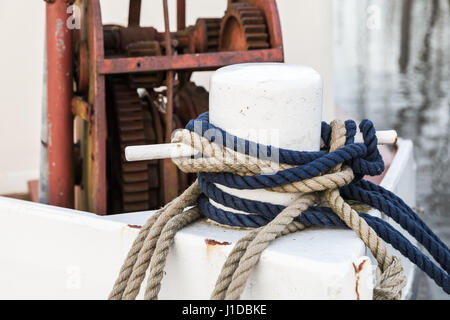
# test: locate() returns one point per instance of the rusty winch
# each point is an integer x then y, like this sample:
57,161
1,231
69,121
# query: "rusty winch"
131,86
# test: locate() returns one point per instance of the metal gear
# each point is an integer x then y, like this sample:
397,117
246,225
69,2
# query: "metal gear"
134,185
190,100
243,28
205,35
147,79
134,120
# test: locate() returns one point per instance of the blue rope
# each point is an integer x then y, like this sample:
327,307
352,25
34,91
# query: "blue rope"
202,126
325,217
369,186
363,158
269,211
437,249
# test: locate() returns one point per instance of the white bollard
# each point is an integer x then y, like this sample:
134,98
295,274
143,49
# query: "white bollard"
270,103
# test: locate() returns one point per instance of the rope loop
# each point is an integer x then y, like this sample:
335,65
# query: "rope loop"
323,181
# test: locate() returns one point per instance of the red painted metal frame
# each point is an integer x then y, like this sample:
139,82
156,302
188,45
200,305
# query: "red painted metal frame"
59,115
205,61
96,190
170,181
200,61
181,14
60,91
134,13
197,62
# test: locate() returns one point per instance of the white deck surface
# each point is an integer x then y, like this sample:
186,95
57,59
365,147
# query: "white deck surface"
49,252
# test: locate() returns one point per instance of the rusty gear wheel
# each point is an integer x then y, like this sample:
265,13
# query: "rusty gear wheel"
81,67
111,39
134,185
147,79
190,100
205,35
243,28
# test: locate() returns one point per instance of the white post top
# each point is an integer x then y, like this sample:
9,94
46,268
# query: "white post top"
273,104
270,103
253,98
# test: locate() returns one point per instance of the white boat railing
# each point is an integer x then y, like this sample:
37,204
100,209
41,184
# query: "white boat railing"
55,253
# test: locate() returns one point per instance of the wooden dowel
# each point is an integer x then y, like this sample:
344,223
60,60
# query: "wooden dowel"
178,150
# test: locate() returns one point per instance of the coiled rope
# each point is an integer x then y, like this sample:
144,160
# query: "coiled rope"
330,174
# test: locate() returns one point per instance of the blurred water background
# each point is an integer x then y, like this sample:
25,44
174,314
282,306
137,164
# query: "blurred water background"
392,65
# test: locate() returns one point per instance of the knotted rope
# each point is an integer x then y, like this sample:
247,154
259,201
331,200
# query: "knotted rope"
243,266
133,270
337,168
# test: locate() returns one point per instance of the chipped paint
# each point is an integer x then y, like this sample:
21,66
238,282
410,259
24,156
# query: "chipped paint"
211,242
357,273
134,226
59,36
59,117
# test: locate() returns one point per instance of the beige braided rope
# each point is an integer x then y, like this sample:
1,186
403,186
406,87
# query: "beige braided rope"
159,257
223,159
235,256
393,279
133,270
261,241
231,265
188,198
391,284
130,260
152,244
346,213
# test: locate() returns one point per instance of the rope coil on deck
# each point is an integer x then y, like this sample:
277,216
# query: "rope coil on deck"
325,176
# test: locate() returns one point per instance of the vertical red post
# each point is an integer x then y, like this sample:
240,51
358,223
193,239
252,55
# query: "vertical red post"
170,182
59,116
181,14
134,13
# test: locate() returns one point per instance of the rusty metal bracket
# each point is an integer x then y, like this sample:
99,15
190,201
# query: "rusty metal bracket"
59,95
81,108
93,48
199,61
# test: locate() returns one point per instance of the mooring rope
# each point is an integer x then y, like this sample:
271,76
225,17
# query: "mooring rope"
133,270
330,174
